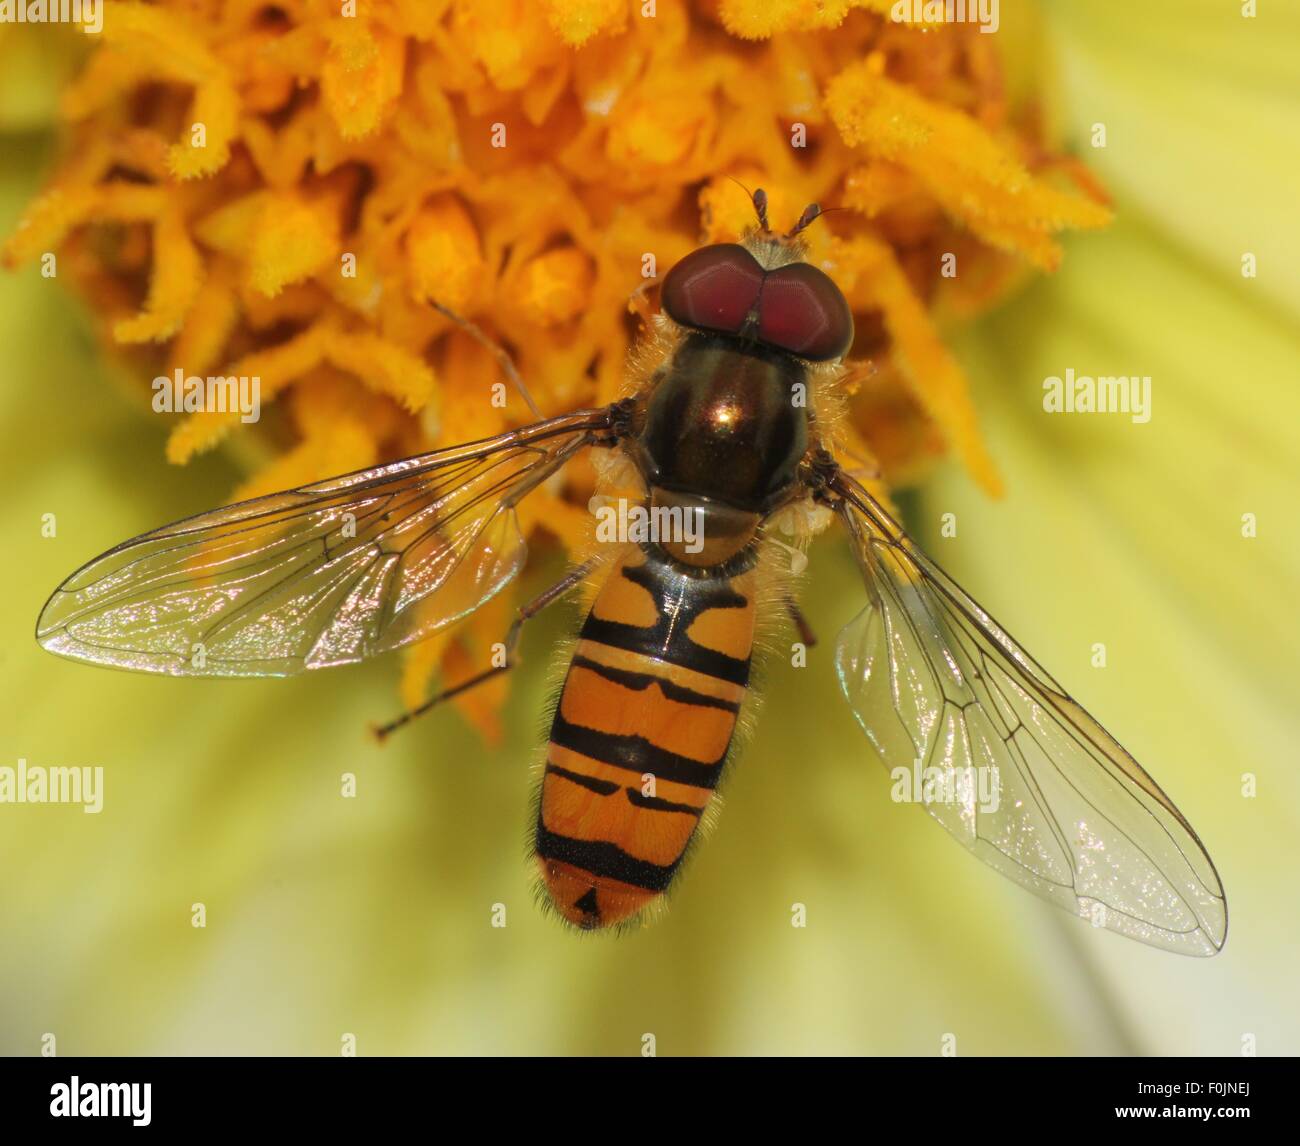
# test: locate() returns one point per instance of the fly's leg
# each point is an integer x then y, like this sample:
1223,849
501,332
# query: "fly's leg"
806,635
569,582
497,351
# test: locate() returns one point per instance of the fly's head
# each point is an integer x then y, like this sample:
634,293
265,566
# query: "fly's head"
761,291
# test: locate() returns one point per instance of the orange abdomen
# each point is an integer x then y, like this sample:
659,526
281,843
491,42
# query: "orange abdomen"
641,732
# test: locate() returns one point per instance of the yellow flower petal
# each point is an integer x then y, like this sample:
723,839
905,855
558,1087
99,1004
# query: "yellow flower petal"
976,178
444,261
555,287
341,426
935,377
205,146
208,325
456,656
577,21
1195,148
760,19
362,75
55,213
511,41
292,238
383,366
658,127
275,368
159,43
177,277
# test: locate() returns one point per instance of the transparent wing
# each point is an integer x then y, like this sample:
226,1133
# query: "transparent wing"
327,574
1022,775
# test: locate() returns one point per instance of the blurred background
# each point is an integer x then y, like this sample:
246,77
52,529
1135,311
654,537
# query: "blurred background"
372,916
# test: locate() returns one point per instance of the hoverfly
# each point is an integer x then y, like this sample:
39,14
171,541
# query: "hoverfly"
338,571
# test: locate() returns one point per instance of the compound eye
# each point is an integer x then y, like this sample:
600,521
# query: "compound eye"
714,288
804,312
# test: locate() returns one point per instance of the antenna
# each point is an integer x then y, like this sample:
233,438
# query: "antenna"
811,212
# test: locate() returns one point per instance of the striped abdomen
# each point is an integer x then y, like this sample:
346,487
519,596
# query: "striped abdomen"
641,733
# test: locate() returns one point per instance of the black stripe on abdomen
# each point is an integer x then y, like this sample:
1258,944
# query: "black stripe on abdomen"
679,599
591,783
639,681
635,753
604,859
657,804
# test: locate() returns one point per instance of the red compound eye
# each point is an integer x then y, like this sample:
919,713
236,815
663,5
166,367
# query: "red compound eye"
713,288
803,312
799,309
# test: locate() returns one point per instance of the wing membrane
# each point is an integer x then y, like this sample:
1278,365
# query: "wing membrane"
1063,809
326,574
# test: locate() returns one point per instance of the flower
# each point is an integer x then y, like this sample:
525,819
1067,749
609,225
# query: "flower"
296,187
372,915
1139,536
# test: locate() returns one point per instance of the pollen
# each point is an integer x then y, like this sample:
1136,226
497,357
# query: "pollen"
260,190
